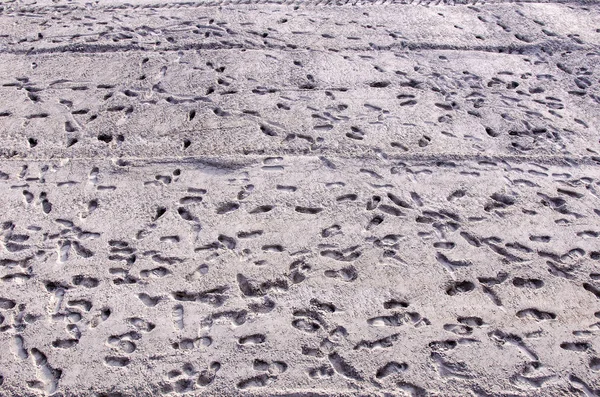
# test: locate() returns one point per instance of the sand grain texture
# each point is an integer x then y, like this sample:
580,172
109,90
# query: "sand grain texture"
300,198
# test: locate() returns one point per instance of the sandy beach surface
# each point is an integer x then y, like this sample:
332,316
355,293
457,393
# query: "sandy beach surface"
299,198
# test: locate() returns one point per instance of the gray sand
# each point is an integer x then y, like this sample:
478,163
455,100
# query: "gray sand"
263,198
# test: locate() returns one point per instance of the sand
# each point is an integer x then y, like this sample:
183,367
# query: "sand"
300,198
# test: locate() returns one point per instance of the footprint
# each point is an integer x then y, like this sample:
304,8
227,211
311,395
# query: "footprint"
470,321
412,389
207,376
177,316
64,247
324,371
196,343
287,188
388,209
375,221
254,339
458,329
576,346
140,324
272,371
7,304
349,256
395,320
381,343
261,380
308,210
85,281
590,288
47,375
18,347
346,197
390,368
227,207
250,234
65,343
345,274
594,364
306,325
532,283
274,368
181,381
148,300
124,342
331,231
261,209
459,287
253,288
395,304
343,367
535,314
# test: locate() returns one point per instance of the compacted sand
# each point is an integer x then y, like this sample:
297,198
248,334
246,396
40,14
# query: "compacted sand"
299,198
